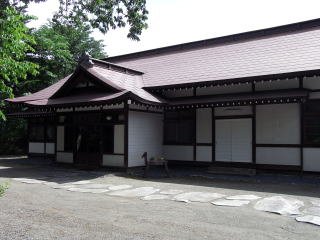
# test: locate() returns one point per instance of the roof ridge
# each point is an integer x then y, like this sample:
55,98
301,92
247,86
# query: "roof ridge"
116,67
287,28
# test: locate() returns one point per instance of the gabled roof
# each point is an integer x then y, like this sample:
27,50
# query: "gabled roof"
125,82
284,49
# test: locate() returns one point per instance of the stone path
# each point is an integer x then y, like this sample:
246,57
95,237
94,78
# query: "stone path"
286,206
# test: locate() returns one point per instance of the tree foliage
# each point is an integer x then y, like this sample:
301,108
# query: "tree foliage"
15,43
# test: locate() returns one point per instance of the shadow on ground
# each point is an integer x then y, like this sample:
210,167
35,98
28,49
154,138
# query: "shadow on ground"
41,169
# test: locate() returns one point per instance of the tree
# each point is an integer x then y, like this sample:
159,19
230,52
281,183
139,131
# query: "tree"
99,14
57,50
15,43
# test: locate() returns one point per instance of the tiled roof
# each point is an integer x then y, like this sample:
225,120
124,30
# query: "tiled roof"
279,53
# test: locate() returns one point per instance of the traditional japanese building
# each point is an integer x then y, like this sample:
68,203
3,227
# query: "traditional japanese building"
246,100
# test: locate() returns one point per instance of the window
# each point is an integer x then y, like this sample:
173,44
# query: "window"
68,138
36,133
179,127
312,123
108,139
50,133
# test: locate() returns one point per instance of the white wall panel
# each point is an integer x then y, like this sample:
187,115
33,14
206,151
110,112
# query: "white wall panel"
311,83
278,156
60,138
50,148
204,154
224,89
277,85
35,147
233,111
311,159
204,125
145,132
177,152
278,124
118,138
64,157
113,160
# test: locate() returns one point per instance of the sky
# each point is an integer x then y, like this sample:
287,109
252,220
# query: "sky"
179,21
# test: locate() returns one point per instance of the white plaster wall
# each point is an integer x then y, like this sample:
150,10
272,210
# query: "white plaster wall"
233,111
50,148
278,124
176,152
64,157
145,134
278,156
60,138
311,159
118,138
224,89
311,82
36,147
178,93
204,125
204,154
113,160
277,85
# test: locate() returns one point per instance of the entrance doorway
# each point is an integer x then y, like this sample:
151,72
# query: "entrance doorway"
87,147
233,140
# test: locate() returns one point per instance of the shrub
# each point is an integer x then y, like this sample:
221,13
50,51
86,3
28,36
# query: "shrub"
3,188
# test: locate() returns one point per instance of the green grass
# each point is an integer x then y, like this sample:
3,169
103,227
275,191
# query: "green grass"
3,188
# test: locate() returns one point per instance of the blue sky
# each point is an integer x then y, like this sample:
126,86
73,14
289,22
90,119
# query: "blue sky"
178,21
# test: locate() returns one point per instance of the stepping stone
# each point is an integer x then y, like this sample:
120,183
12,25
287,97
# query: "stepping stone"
315,211
97,186
81,182
32,181
51,184
62,186
87,190
136,192
197,197
155,197
280,205
119,187
171,192
230,203
316,202
309,219
243,197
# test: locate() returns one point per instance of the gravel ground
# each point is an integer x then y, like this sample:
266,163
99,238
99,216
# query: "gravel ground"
37,211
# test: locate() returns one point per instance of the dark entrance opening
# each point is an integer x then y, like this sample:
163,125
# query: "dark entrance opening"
87,143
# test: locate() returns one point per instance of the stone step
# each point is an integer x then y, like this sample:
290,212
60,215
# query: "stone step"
232,171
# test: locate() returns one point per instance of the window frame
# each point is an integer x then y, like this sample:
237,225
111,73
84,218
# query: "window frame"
313,116
180,118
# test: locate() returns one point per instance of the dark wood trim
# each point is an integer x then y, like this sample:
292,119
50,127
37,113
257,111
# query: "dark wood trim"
236,165
279,145
301,134
126,135
178,144
213,120
204,144
254,142
195,135
145,111
233,117
117,154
